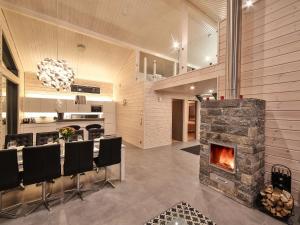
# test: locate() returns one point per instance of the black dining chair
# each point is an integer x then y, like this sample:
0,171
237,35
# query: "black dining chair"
43,137
25,139
9,179
76,134
109,154
78,160
95,133
41,164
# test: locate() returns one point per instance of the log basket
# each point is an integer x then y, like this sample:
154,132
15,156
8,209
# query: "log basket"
280,179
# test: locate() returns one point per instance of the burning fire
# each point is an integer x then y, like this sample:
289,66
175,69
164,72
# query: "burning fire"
222,156
227,158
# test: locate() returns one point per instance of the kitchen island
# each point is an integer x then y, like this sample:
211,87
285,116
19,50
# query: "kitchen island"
109,128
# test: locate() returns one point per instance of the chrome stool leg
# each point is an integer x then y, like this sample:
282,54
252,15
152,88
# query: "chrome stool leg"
106,181
7,212
44,201
78,191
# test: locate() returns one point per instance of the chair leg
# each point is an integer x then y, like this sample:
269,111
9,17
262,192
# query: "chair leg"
78,191
44,201
106,181
7,212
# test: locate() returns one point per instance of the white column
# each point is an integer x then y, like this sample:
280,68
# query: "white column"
183,54
175,69
154,67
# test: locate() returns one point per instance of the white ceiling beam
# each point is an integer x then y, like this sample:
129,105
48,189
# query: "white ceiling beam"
77,29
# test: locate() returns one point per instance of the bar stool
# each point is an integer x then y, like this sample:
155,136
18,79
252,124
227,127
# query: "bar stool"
42,137
78,160
25,139
109,154
9,179
76,134
41,163
76,127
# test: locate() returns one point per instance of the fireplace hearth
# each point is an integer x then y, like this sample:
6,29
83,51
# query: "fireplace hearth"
232,147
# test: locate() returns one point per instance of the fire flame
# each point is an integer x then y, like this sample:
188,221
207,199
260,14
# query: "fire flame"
222,156
227,158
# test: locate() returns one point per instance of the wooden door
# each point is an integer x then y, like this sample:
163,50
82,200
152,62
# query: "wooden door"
177,119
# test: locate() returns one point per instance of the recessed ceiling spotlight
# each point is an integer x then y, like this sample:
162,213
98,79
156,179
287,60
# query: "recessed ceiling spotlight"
207,58
176,45
192,87
249,3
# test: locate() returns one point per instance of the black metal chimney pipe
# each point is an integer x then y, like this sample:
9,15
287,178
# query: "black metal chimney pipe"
233,53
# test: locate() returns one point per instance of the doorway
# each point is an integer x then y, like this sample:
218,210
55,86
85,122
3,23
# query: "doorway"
11,107
192,120
177,119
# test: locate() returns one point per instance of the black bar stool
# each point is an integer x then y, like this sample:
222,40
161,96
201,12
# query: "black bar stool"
43,137
25,139
9,179
78,159
41,164
109,154
76,134
95,133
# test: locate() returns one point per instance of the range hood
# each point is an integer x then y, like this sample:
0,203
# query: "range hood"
80,100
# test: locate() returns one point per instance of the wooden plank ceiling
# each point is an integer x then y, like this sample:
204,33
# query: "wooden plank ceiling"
149,24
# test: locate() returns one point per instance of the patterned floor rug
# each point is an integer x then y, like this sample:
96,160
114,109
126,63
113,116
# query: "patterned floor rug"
182,210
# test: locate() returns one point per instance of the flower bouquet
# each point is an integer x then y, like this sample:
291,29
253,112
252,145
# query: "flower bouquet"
66,133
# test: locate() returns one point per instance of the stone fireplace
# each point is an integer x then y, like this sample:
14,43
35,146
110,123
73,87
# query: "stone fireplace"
232,147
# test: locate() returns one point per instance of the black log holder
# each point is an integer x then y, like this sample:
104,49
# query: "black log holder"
281,177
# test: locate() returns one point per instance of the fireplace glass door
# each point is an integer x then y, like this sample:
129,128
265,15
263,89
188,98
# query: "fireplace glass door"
222,157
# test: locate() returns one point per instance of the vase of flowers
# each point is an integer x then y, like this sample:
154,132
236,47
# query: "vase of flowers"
66,133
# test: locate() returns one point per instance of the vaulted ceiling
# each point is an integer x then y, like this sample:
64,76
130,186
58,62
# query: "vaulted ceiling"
145,24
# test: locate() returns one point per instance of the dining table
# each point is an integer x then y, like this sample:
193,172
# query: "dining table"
96,152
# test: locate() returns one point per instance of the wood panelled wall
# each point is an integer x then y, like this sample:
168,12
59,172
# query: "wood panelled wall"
33,85
130,116
270,70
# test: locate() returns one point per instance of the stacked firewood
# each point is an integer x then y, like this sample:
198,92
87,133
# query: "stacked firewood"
278,202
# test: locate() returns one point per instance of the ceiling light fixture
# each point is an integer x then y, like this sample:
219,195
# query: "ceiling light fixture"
176,45
207,58
249,3
192,87
55,73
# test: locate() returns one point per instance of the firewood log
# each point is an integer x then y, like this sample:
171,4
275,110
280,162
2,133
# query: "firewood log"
289,205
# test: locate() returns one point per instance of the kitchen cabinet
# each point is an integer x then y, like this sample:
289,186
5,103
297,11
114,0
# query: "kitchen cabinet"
32,105
71,106
48,105
84,107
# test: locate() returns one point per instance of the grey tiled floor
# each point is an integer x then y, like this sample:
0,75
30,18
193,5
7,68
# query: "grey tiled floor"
155,180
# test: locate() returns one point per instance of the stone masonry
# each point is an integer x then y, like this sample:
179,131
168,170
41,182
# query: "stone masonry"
240,122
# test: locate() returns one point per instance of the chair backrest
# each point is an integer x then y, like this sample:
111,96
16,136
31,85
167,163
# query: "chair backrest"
79,157
95,133
76,134
110,152
42,138
41,163
76,127
9,171
25,139
93,126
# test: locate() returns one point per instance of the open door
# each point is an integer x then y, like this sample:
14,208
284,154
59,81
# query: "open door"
192,120
177,119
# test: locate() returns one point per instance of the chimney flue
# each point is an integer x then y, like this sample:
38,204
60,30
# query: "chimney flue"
233,53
